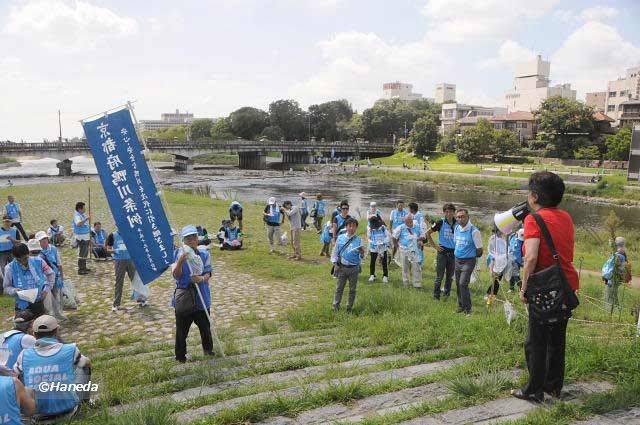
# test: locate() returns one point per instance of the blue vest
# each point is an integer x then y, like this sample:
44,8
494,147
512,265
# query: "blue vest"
7,245
30,279
320,208
445,235
51,254
83,229
232,234
377,237
13,210
515,250
56,368
274,215
99,237
303,206
465,247
397,217
409,241
325,237
9,410
54,230
340,223
13,341
120,251
350,254
185,279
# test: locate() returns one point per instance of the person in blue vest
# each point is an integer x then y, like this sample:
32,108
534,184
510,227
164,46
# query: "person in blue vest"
9,237
325,238
232,239
17,339
304,209
318,212
56,233
373,211
418,216
98,241
445,259
28,273
15,400
468,247
339,221
82,236
410,239
235,213
53,362
516,241
122,265
192,266
273,218
346,258
12,209
379,244
396,218
51,256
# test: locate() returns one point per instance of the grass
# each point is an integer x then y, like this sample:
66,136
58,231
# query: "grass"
7,160
216,159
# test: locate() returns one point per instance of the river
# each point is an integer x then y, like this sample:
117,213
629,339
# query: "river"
225,182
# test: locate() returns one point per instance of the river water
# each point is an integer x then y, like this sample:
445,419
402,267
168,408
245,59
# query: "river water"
256,186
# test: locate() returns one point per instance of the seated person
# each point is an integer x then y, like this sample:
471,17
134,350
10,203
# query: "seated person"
35,365
15,400
232,237
18,339
98,240
56,233
222,231
203,236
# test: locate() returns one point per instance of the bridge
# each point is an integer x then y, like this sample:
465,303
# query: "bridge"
252,154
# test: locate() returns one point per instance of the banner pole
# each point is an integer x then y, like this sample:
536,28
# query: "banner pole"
90,230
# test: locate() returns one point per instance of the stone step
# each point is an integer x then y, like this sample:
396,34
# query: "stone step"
402,374
505,409
269,378
617,417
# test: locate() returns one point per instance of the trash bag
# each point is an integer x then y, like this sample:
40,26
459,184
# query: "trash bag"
69,296
139,291
510,312
475,274
284,239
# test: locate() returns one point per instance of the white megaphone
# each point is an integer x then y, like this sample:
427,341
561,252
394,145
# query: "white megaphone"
507,221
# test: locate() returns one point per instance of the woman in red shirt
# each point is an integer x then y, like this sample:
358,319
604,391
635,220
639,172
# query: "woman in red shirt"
545,344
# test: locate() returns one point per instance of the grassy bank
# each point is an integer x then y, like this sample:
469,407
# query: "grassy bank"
7,160
210,159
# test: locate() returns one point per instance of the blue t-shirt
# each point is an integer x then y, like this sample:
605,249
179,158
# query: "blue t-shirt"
185,279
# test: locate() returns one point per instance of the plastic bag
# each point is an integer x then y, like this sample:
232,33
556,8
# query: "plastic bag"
69,297
475,274
284,239
510,312
139,291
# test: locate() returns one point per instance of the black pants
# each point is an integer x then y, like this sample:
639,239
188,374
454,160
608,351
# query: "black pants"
544,351
183,323
445,268
385,264
494,288
21,230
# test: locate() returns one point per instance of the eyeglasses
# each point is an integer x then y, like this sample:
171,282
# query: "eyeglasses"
345,208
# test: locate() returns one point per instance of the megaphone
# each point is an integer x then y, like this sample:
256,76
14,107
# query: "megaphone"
507,221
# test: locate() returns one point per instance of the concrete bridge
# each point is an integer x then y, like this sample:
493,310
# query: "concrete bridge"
252,154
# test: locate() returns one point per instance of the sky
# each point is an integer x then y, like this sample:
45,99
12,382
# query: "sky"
211,57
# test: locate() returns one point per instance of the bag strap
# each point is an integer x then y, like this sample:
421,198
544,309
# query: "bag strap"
547,236
345,246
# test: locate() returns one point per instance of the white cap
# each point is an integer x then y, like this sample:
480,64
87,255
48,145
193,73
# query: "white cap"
521,234
272,201
41,235
620,241
372,204
33,245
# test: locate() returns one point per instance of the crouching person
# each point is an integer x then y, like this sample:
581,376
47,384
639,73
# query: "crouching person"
346,258
50,368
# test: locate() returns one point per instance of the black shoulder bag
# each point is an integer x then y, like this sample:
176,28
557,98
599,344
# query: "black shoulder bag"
549,295
339,264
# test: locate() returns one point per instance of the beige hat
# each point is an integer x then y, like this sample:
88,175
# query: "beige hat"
33,245
41,235
45,323
302,195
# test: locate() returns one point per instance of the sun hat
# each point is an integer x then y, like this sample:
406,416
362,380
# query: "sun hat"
188,230
41,235
272,201
33,245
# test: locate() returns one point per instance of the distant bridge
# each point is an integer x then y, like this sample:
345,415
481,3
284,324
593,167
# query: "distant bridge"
252,154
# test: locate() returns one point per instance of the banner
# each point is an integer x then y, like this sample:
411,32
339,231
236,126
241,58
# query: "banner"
131,193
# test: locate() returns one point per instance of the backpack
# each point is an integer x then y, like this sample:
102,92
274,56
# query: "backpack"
608,267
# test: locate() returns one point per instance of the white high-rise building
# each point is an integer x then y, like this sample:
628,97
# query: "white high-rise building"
445,93
531,87
398,90
622,90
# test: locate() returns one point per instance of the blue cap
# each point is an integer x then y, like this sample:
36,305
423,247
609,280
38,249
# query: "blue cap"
188,230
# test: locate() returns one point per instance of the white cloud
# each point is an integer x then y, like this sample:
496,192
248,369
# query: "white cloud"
596,13
458,21
510,54
71,25
593,54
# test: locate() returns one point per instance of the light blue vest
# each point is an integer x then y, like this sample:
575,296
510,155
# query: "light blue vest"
465,247
7,245
13,341
377,237
233,234
82,229
274,215
13,210
445,235
340,224
350,255
515,250
56,368
303,206
99,236
409,241
51,254
54,231
9,410
325,237
33,279
320,208
397,217
120,251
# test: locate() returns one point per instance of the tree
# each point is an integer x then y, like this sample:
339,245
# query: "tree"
273,132
351,129
248,122
587,152
326,116
505,142
288,115
201,128
388,117
618,145
221,130
424,135
449,139
475,141
565,124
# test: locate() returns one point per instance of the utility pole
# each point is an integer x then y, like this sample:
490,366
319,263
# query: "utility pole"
59,127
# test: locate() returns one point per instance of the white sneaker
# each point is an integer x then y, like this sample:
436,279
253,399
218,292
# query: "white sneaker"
372,278
114,309
385,279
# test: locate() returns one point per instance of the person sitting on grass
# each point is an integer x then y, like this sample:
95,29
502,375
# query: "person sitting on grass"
38,363
15,401
233,238
56,233
203,236
98,240
19,338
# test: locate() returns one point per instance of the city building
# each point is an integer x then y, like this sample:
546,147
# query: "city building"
445,93
523,123
454,113
629,113
166,120
531,87
622,90
398,90
597,100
